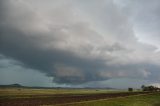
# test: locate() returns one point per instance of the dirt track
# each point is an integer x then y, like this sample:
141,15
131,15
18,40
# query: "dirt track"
61,99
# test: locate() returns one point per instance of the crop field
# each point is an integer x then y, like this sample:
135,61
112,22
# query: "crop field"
75,97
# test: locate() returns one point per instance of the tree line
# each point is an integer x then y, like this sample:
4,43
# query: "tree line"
149,88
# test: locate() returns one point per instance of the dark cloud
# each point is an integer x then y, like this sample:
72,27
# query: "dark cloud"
58,43
26,49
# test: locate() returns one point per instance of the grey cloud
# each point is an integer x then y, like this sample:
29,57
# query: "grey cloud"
144,15
61,45
13,71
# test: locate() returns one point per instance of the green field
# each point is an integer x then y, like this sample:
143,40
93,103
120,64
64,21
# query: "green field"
28,91
140,100
49,97
31,92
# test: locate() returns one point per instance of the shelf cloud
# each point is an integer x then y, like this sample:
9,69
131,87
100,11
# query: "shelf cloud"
77,42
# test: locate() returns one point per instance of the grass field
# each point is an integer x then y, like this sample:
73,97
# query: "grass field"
140,100
75,97
27,92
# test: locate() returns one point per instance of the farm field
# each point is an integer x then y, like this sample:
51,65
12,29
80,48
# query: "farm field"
30,92
136,100
66,97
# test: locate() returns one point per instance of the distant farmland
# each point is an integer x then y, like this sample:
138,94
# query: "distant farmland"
74,97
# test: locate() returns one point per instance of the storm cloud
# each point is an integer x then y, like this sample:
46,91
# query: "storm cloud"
76,42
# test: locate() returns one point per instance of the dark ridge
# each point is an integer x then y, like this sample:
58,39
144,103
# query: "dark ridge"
11,85
39,87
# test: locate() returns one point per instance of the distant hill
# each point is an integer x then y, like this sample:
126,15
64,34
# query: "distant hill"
12,85
37,87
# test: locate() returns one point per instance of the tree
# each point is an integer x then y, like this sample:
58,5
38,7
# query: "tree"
130,89
150,88
142,86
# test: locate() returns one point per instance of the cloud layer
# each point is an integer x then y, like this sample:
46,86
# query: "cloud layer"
75,42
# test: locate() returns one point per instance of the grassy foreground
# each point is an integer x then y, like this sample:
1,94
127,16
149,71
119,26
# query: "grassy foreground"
141,100
47,94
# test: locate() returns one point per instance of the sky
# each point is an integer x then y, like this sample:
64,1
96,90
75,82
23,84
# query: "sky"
80,43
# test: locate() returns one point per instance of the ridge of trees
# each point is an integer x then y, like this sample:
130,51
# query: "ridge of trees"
150,88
